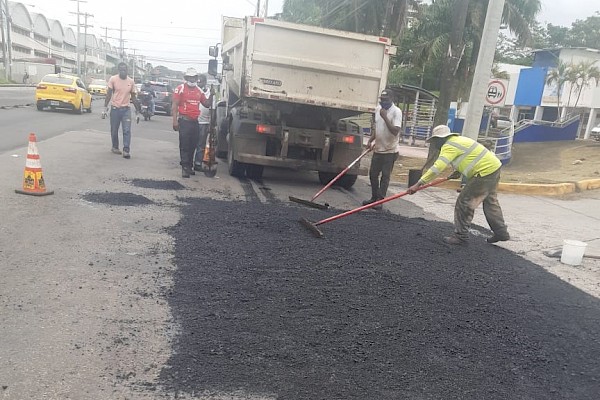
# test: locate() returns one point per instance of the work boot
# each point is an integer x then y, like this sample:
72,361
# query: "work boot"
371,200
498,238
454,240
126,154
185,173
115,151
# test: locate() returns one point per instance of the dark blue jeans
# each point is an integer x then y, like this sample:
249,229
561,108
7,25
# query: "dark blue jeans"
120,116
189,134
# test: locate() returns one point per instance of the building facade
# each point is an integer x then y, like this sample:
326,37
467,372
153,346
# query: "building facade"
37,42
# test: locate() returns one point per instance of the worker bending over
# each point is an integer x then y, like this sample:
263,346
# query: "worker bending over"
481,168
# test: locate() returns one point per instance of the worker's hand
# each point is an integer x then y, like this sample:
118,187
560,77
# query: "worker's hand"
371,145
383,113
414,188
454,175
175,126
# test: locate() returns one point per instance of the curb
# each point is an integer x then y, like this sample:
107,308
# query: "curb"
555,189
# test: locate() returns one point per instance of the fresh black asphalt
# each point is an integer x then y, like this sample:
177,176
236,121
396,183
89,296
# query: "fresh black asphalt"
378,309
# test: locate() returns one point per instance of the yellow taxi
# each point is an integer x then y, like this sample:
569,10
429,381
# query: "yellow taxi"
64,92
98,86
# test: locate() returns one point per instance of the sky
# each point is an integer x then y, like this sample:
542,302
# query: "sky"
177,33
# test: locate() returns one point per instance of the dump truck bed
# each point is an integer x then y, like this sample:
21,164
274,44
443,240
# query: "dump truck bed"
278,60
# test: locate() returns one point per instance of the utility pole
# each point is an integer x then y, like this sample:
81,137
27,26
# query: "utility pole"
85,67
78,34
105,51
4,51
121,41
485,60
8,62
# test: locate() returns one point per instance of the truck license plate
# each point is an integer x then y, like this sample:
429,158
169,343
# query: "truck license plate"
54,103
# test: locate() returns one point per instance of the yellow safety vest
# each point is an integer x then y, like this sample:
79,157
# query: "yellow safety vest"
466,156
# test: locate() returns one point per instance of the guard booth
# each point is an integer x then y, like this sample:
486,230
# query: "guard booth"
418,110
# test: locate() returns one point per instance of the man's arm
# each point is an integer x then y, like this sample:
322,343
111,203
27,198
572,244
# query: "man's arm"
109,93
174,112
395,130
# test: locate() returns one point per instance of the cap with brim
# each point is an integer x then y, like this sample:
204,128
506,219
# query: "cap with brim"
441,131
385,93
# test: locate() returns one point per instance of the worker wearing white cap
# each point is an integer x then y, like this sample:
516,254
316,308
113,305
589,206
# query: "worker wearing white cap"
187,98
481,168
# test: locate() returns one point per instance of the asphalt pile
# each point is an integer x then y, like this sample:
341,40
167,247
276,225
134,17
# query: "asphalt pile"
378,309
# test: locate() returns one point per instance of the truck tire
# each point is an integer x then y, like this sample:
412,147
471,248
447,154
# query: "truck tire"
254,171
236,168
346,181
325,177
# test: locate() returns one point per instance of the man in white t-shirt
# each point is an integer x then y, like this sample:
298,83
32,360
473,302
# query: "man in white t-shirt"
203,122
384,141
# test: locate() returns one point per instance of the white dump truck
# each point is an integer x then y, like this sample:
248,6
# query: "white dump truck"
286,89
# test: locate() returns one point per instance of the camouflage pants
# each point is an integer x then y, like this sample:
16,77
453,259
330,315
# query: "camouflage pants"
477,190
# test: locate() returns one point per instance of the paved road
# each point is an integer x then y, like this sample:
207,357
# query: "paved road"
88,271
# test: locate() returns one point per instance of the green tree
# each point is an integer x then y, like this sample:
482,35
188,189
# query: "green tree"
585,33
443,18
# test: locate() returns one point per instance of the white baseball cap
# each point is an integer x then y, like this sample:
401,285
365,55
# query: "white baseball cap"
191,72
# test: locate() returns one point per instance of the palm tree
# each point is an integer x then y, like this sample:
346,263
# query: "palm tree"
440,19
558,76
586,71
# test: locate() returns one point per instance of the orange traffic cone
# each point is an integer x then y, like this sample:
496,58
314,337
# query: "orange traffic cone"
33,179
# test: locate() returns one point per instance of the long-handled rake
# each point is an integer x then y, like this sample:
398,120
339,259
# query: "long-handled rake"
313,227
311,202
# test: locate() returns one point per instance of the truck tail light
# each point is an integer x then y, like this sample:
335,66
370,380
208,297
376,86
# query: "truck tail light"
266,129
41,87
348,139
70,90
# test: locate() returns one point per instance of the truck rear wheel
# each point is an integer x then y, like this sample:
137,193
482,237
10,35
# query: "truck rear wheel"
254,171
346,181
236,168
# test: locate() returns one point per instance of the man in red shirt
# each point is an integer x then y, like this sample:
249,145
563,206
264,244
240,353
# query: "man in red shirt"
186,110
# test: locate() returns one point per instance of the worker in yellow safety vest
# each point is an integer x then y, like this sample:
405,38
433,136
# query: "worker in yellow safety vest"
481,168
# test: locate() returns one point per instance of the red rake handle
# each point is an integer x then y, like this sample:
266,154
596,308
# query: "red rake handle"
334,180
378,202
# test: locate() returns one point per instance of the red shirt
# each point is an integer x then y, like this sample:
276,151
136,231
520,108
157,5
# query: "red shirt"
189,100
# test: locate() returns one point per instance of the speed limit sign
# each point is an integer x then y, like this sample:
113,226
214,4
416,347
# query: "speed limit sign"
496,92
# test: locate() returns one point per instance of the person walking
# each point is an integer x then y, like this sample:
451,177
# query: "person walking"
121,91
187,98
203,122
481,168
384,142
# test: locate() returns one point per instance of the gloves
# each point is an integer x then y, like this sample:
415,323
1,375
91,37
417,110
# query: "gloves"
454,175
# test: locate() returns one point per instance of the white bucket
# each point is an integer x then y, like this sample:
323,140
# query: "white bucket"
572,252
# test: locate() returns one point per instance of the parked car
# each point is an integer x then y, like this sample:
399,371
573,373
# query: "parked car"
98,86
163,93
595,133
59,91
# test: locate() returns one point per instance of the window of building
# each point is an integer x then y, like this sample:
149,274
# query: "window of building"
40,38
19,30
20,49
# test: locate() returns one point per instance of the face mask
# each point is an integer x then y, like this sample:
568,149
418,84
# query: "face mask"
191,84
122,75
385,104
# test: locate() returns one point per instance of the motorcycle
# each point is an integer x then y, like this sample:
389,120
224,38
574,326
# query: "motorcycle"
146,102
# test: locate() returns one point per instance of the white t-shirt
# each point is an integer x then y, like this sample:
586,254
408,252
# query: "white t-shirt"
204,117
386,141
